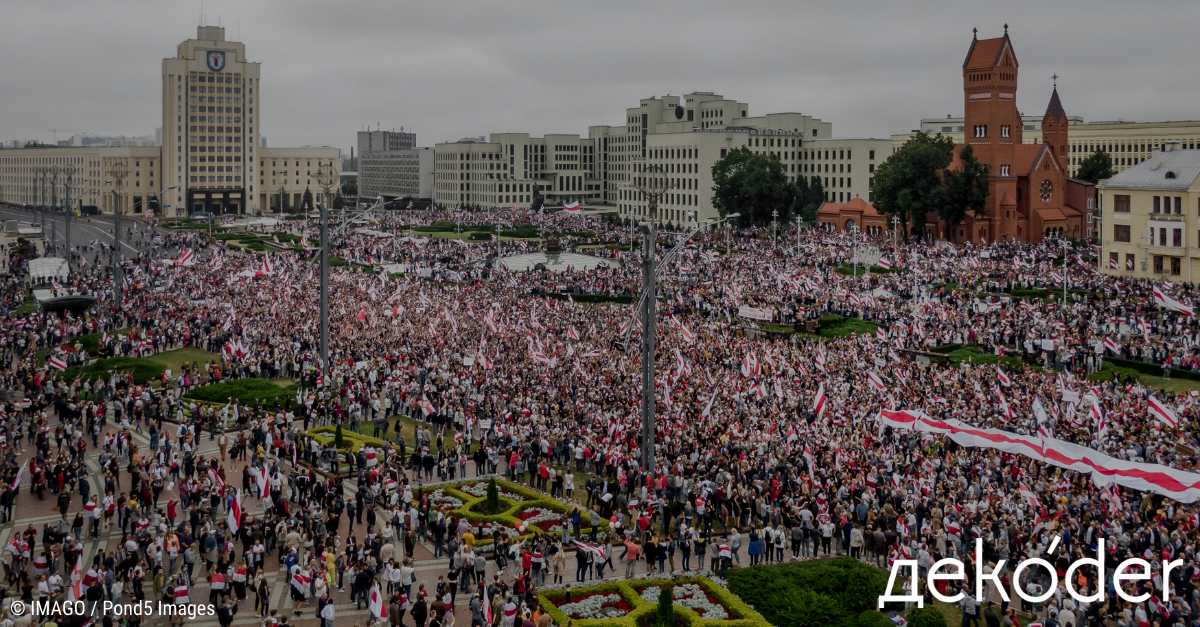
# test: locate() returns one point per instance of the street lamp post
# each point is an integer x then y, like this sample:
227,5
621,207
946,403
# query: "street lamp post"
854,251
326,177
645,307
68,172
774,225
119,171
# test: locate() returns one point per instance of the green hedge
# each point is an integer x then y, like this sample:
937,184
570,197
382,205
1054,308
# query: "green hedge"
594,298
1153,370
144,370
824,593
244,391
524,231
1029,294
630,591
325,436
946,349
848,270
481,236
976,356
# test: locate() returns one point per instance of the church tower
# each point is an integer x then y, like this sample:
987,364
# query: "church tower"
992,127
1054,129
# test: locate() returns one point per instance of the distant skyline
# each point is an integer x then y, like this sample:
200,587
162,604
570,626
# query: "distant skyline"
461,69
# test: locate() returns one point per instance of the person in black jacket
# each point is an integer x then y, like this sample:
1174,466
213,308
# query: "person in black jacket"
225,612
420,611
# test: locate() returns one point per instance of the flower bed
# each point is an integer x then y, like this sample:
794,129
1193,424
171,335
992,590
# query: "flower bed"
598,605
443,502
479,489
527,512
547,520
698,601
690,595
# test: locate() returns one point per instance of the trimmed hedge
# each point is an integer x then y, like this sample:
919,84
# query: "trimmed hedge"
592,298
946,349
630,590
481,236
244,391
1153,370
144,370
355,441
976,356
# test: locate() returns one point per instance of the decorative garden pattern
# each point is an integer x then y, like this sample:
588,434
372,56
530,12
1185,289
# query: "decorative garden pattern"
698,600
523,512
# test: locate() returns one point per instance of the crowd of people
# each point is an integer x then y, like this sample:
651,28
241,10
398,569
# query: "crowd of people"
508,372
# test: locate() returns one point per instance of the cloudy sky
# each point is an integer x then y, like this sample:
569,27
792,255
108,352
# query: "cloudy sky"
466,68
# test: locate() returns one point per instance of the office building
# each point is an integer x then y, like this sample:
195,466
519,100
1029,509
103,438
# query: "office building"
390,165
212,156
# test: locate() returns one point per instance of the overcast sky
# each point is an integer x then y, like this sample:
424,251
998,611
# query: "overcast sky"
456,68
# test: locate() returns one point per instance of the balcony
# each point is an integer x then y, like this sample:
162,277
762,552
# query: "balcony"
1165,217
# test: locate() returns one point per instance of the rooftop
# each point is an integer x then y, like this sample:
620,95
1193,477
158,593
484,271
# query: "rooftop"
1177,170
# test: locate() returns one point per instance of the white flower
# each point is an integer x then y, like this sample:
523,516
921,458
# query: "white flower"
542,515
592,607
480,489
692,596
438,499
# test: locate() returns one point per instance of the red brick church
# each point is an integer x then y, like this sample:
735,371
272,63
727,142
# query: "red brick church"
1031,196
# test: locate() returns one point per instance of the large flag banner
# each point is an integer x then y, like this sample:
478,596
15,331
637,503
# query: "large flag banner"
1176,484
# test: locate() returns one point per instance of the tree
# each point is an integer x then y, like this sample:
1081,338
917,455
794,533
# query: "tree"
349,185
814,197
338,439
753,185
910,182
307,203
966,190
666,610
1095,167
493,498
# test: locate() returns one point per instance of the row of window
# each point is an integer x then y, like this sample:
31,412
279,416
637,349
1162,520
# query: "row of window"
1160,263
1161,204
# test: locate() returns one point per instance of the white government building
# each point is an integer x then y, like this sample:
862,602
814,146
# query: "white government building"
210,153
684,136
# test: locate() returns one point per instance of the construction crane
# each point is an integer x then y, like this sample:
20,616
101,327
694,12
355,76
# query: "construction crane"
56,131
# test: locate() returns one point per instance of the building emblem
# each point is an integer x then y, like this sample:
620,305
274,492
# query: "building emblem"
216,60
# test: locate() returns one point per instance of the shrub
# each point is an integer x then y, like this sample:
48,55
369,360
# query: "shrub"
493,497
873,618
144,370
244,391
481,236
338,440
830,593
926,617
666,611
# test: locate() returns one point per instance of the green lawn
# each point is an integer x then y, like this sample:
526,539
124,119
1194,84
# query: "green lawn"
176,358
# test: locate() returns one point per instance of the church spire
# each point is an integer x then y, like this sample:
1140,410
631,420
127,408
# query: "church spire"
1055,108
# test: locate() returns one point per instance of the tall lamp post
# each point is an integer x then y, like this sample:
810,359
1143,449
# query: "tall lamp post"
54,172
326,177
645,306
68,172
119,171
